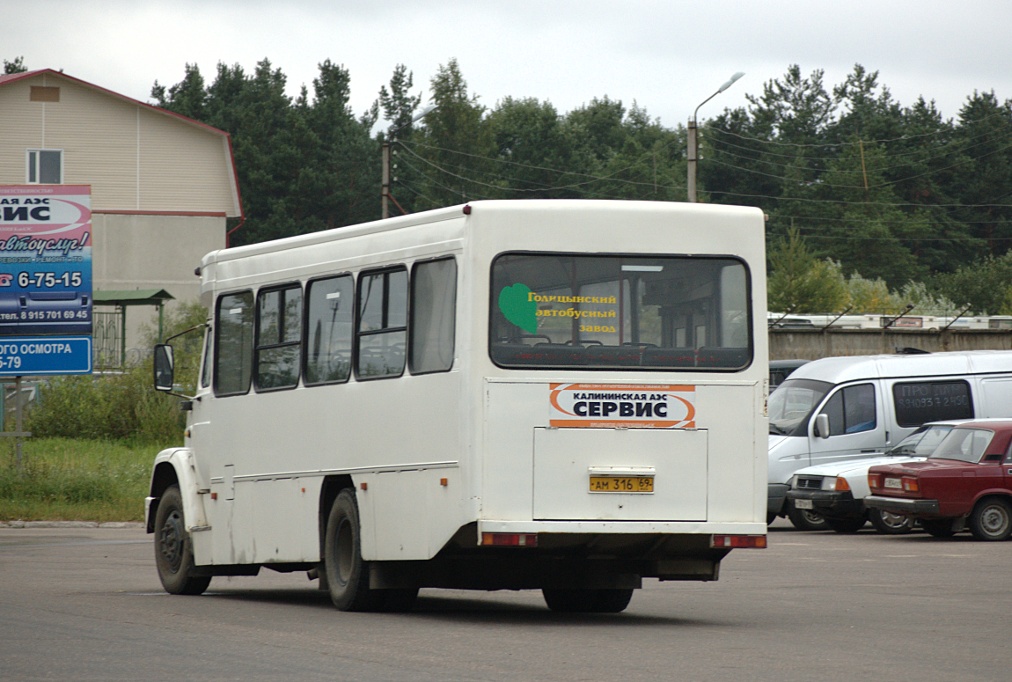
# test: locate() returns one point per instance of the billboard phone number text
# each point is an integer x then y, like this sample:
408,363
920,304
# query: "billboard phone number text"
45,280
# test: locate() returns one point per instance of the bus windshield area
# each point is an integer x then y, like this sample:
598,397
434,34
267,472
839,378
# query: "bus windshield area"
791,404
620,312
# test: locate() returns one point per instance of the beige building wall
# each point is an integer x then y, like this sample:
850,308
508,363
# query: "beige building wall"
151,252
135,157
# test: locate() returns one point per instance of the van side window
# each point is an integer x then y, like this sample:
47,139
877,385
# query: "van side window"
851,410
233,348
918,402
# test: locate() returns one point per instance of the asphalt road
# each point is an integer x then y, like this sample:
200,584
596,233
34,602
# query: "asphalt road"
85,604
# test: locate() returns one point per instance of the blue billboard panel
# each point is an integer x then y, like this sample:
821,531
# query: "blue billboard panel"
28,356
45,272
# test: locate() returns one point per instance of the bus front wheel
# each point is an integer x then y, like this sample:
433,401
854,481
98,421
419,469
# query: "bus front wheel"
347,573
173,550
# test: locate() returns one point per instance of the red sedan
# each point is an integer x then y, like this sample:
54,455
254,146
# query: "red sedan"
967,481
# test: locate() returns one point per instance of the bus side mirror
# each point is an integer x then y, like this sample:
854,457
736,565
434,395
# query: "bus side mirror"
164,365
822,425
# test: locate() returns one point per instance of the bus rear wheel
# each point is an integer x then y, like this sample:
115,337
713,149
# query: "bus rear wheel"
587,601
347,573
173,549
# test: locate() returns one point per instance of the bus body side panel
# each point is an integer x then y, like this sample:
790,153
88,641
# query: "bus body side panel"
265,456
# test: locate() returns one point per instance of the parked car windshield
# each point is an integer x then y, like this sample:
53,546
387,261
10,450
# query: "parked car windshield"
921,442
792,402
967,445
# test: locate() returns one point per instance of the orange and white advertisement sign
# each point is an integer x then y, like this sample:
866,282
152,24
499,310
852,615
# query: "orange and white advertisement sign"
610,406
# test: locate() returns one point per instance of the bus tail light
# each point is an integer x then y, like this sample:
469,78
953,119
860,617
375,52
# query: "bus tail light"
509,539
738,541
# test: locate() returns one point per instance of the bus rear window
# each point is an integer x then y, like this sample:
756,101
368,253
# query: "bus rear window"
620,312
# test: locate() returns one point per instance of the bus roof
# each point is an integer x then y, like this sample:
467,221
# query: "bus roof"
485,206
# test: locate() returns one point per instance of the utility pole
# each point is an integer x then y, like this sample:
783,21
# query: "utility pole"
385,186
385,191
692,153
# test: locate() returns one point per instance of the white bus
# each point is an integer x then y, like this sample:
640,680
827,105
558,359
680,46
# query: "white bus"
557,395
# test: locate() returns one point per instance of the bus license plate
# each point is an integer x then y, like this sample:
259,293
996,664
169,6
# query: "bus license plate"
621,484
894,483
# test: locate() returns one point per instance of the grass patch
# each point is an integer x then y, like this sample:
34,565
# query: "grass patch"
63,479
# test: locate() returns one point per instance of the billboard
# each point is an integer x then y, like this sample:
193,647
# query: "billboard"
45,279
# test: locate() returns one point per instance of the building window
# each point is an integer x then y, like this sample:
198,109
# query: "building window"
45,166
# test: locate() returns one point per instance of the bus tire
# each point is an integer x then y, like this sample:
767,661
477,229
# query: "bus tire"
173,549
587,601
347,573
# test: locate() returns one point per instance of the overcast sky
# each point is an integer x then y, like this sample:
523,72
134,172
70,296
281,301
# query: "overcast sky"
667,56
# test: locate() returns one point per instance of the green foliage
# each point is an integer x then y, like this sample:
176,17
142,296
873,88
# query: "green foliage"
74,480
799,282
871,296
985,285
17,65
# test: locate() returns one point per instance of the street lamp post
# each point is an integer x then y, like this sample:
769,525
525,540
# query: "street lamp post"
385,187
693,142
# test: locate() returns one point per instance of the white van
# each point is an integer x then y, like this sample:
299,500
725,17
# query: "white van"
848,408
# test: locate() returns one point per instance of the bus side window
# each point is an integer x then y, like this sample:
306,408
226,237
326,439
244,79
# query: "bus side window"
279,338
329,329
233,348
433,308
205,365
382,324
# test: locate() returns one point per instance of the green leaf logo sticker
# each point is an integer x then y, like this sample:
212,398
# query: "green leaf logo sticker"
516,304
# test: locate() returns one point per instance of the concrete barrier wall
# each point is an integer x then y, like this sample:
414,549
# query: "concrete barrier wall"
811,344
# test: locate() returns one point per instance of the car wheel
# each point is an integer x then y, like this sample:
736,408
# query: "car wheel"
938,528
889,523
804,519
991,519
846,525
